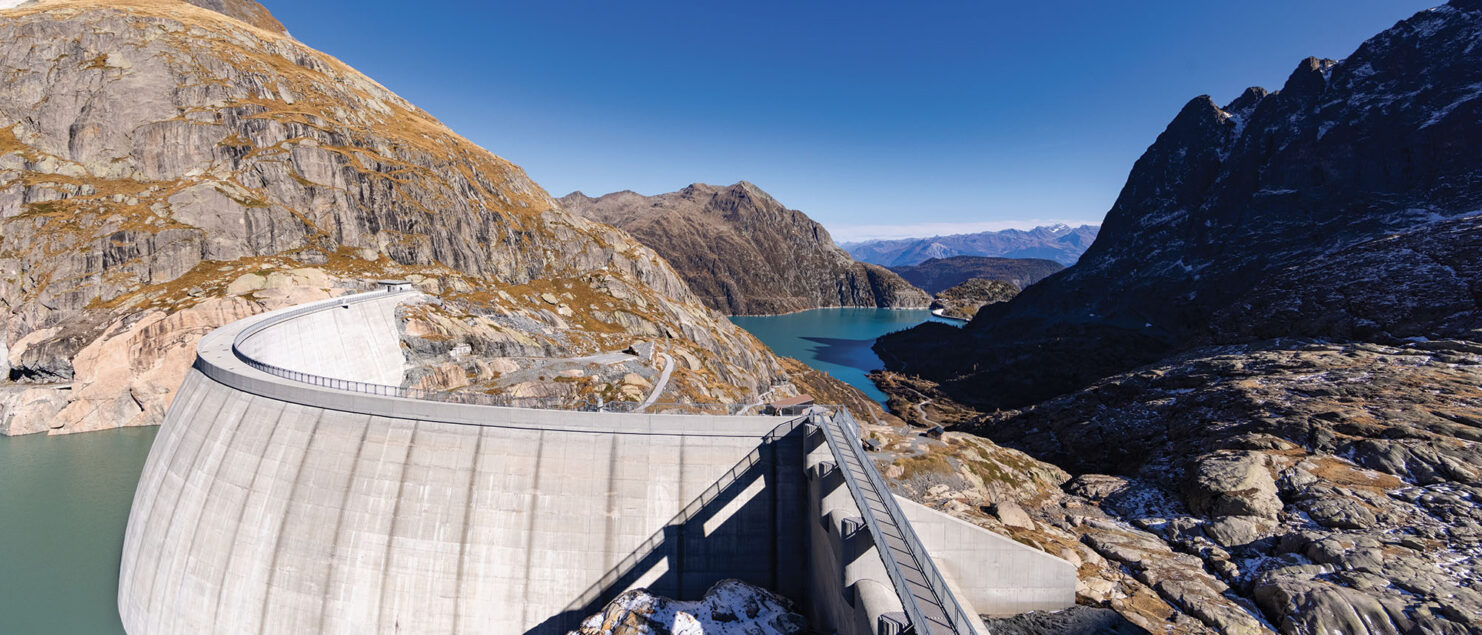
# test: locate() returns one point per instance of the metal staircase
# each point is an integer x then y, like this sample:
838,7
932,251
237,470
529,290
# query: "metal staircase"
929,604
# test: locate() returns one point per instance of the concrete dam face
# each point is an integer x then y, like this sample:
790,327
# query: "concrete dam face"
292,489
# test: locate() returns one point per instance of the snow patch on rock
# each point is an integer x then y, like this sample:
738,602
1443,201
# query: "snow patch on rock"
731,607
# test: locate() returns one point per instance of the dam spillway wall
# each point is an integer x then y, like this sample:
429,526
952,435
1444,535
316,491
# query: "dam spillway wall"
274,506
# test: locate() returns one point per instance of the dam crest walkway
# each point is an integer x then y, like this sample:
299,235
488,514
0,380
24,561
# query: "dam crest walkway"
296,415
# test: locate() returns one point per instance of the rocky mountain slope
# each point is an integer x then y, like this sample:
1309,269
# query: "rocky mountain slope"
1343,205
744,253
1060,243
166,168
964,300
937,274
1261,381
1300,486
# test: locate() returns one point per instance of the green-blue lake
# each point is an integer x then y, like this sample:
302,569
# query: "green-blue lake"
835,341
64,501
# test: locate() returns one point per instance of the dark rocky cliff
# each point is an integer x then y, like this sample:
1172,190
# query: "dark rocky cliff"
744,253
1263,375
1343,205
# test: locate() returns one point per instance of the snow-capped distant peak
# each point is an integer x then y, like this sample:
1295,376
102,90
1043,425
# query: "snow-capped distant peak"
11,4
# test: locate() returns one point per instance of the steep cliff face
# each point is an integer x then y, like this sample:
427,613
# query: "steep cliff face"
1344,205
744,253
165,168
1294,276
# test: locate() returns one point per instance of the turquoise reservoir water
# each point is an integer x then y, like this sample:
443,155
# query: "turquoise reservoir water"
64,502
835,341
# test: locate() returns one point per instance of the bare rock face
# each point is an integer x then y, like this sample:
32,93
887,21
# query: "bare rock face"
1232,484
1331,486
166,168
744,253
731,607
246,11
1122,567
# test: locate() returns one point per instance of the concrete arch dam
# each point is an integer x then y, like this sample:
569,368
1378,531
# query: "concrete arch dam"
293,489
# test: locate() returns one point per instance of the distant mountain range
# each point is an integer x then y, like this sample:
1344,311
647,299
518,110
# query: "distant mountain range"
937,274
744,253
1062,243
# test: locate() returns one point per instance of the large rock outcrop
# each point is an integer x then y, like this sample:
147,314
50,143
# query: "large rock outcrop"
1263,376
744,253
1343,205
964,300
1332,486
166,168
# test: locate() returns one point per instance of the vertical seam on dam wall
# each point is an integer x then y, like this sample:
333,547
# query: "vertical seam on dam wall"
530,525
180,446
770,456
217,479
339,522
298,475
608,537
679,533
242,511
168,449
167,565
401,484
473,477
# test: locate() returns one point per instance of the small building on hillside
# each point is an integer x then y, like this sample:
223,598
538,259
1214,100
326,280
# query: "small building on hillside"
790,406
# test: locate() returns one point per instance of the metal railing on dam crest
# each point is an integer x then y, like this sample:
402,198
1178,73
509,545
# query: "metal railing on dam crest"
930,607
281,500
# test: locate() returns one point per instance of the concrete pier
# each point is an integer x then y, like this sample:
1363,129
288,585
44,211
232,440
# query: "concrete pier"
275,506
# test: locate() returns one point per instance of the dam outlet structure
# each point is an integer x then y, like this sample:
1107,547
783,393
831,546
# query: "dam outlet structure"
295,487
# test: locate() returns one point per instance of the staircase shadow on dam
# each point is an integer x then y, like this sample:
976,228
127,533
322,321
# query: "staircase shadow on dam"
686,537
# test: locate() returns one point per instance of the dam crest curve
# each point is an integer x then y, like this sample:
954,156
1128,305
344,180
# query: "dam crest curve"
273,504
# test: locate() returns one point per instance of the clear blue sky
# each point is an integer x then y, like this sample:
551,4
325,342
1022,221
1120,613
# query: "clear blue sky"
861,114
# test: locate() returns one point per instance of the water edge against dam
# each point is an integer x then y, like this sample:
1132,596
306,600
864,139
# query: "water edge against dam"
64,502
